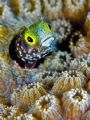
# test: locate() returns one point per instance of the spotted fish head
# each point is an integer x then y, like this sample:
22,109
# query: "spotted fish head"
35,42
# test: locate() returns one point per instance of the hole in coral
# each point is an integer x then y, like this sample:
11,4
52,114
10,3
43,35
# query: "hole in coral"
13,53
78,96
64,46
75,39
45,104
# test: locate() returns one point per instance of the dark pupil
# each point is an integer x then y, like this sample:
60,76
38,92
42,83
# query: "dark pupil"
49,26
30,39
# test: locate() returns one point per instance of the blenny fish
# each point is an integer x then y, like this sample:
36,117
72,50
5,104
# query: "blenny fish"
32,44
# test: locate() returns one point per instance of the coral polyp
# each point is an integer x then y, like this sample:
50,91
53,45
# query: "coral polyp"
52,8
26,9
48,107
31,9
57,62
79,44
27,95
82,63
75,103
10,113
85,68
67,81
62,29
73,8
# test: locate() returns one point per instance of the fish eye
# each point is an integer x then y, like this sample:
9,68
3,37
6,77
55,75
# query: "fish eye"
31,39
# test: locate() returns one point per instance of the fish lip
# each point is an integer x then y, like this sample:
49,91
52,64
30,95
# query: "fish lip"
47,38
47,42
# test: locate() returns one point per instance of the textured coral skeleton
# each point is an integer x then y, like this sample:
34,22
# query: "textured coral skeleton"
58,88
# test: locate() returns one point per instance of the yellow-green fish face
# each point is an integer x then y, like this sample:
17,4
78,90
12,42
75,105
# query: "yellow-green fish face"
34,43
39,33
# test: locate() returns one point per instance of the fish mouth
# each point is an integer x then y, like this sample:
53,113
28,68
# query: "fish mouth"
46,41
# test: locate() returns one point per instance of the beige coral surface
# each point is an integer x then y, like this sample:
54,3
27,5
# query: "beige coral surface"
59,87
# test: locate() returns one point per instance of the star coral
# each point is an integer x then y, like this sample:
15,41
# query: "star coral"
52,9
67,81
30,9
27,95
10,113
61,28
48,108
82,63
76,10
57,62
77,63
59,87
75,103
79,44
